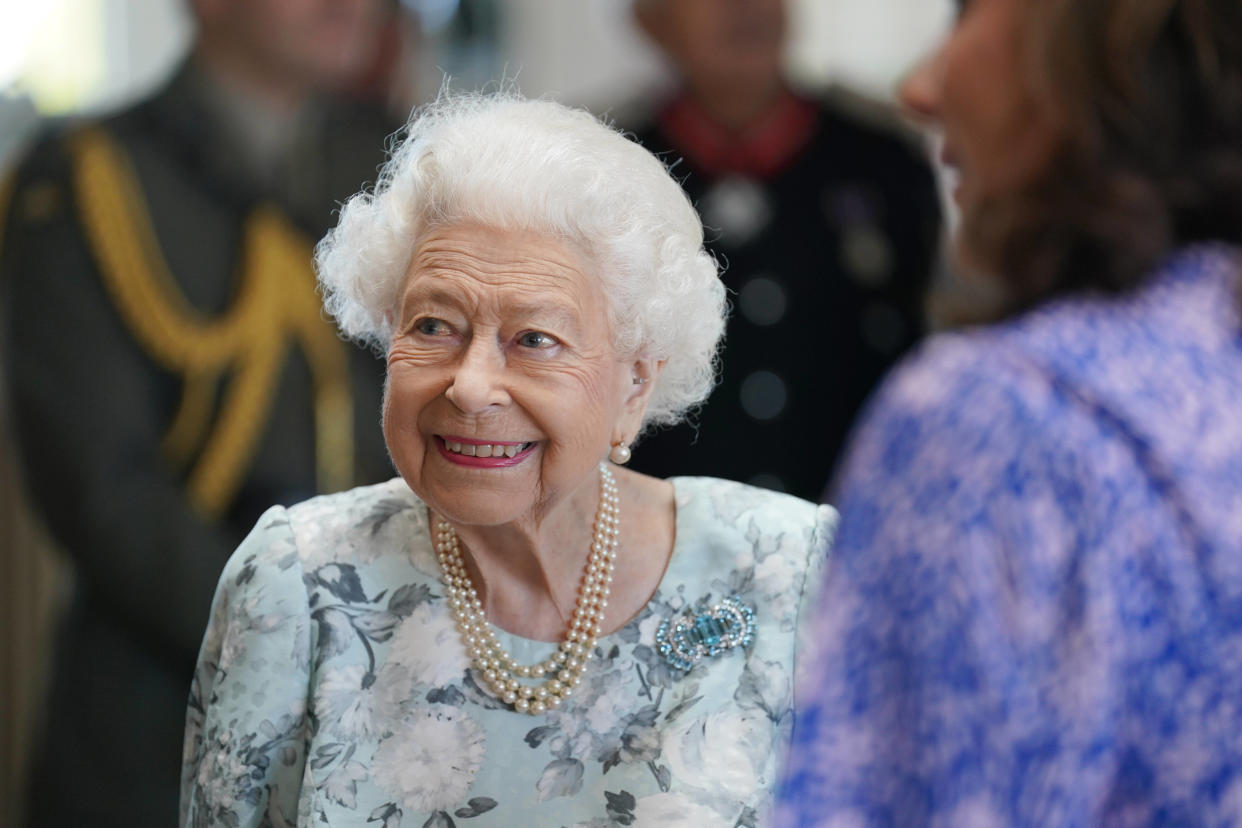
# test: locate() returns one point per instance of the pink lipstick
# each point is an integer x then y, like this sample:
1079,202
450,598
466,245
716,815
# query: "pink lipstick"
481,454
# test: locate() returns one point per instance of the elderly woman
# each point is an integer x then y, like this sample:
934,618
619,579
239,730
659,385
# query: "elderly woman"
516,631
1033,612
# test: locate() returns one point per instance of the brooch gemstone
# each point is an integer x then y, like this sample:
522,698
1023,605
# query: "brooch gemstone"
687,639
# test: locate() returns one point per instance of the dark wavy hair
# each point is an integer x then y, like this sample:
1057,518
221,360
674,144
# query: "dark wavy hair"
1149,97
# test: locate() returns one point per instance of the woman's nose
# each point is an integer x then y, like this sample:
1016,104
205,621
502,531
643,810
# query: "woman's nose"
919,91
478,381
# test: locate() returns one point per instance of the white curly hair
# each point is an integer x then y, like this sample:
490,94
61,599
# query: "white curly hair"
502,161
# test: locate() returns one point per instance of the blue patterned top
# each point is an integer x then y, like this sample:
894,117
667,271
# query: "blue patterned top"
1033,612
333,688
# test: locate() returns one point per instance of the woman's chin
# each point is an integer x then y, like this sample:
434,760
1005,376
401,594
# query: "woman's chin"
476,505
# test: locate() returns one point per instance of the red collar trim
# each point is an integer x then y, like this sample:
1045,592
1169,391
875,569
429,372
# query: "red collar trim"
761,151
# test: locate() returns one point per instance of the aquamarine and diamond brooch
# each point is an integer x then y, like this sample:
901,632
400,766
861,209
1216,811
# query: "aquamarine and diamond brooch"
685,640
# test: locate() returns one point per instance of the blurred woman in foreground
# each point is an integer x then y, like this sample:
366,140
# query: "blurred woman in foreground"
1033,614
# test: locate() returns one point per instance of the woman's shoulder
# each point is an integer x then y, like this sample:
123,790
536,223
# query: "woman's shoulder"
1111,350
356,501
957,370
730,496
358,525
714,507
1088,340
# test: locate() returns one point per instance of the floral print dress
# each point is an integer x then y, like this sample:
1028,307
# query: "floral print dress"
333,688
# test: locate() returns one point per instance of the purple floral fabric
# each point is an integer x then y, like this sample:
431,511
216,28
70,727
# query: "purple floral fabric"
1033,611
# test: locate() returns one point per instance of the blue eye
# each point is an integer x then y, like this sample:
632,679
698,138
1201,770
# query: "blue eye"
536,339
431,326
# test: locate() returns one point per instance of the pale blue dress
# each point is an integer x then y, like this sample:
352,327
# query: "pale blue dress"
333,688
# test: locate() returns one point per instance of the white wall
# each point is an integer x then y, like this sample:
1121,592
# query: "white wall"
88,54
867,44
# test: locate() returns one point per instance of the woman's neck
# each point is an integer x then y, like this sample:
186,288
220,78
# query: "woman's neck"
528,573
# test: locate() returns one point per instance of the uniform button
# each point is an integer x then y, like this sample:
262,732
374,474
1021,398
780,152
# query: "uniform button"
762,301
763,395
738,207
868,256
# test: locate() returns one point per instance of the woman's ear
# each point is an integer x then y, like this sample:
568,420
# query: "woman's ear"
644,372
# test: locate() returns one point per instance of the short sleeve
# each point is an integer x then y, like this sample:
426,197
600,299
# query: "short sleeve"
246,727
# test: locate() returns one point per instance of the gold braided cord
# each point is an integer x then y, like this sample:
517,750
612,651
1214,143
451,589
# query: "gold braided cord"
171,330
192,419
276,248
224,460
247,344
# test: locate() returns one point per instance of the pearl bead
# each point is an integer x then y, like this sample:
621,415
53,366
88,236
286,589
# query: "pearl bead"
497,667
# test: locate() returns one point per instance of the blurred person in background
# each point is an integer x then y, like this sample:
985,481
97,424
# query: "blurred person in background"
171,375
1033,611
825,219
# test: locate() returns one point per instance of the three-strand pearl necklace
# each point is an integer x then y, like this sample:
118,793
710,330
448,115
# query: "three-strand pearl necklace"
562,671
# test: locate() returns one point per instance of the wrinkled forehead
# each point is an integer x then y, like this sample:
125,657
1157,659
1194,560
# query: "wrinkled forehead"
476,266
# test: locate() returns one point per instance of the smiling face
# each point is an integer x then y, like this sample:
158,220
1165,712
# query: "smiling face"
504,389
998,136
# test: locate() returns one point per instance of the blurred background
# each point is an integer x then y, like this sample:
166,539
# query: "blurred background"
69,59
60,57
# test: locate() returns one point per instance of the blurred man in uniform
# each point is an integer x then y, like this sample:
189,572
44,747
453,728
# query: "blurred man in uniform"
826,222
170,370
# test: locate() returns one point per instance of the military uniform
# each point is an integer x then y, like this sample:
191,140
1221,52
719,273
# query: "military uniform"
826,223
171,376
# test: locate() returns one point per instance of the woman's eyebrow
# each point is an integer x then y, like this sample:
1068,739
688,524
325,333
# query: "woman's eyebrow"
432,295
551,311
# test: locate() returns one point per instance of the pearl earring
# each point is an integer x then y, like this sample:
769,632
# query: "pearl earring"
620,453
